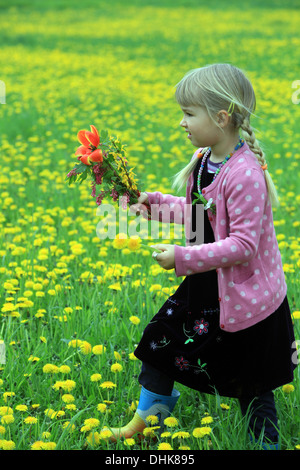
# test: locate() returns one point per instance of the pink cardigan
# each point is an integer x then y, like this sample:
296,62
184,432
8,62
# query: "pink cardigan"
245,253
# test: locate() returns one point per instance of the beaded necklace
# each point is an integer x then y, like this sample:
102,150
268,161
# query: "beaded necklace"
199,195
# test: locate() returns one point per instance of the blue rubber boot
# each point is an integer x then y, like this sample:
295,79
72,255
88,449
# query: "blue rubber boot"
265,445
149,404
159,405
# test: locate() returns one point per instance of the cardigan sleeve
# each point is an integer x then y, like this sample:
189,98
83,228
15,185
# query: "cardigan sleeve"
246,195
167,208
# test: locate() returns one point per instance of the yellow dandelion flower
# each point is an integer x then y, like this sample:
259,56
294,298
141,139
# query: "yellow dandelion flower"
117,356
64,369
105,434
120,241
207,420
8,445
66,385
85,429
49,413
91,423
150,432
49,446
134,243
132,357
21,408
7,419
171,422
164,446
74,343
30,420
6,410
181,435
288,388
152,419
85,347
201,432
224,406
71,428
93,439
116,367
129,442
37,445
155,288
68,310
135,320
96,377
99,349
108,385
68,398
71,407
50,369
7,395
115,286
134,405
102,407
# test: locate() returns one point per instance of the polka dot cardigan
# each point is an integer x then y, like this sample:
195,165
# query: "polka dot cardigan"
245,253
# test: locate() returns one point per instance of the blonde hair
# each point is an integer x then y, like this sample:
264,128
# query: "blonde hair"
217,87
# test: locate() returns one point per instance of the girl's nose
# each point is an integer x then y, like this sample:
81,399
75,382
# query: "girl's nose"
182,123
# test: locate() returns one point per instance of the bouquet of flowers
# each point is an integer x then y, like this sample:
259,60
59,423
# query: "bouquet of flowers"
102,158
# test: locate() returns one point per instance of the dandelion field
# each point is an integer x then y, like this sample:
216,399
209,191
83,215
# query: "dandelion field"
73,306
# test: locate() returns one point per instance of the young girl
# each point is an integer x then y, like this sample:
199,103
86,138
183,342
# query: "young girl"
227,329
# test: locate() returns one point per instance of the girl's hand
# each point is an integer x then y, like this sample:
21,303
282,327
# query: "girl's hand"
143,199
166,259
140,207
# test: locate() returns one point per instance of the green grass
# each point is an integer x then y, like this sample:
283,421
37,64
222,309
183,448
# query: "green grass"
65,66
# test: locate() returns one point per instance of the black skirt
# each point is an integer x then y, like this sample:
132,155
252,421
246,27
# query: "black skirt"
184,339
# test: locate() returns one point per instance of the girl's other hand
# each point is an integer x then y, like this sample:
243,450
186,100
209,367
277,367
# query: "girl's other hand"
166,259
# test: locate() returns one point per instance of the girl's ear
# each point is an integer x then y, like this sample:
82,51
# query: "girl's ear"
223,118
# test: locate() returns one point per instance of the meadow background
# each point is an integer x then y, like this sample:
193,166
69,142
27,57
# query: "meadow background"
73,306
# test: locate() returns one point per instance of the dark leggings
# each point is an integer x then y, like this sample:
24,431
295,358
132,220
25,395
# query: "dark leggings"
260,411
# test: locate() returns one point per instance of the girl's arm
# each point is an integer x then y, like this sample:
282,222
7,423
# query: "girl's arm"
245,215
164,207
167,208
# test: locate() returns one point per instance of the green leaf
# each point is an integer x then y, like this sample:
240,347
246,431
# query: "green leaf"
81,168
190,340
83,176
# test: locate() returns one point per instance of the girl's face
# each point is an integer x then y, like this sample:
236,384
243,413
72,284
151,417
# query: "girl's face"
201,129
